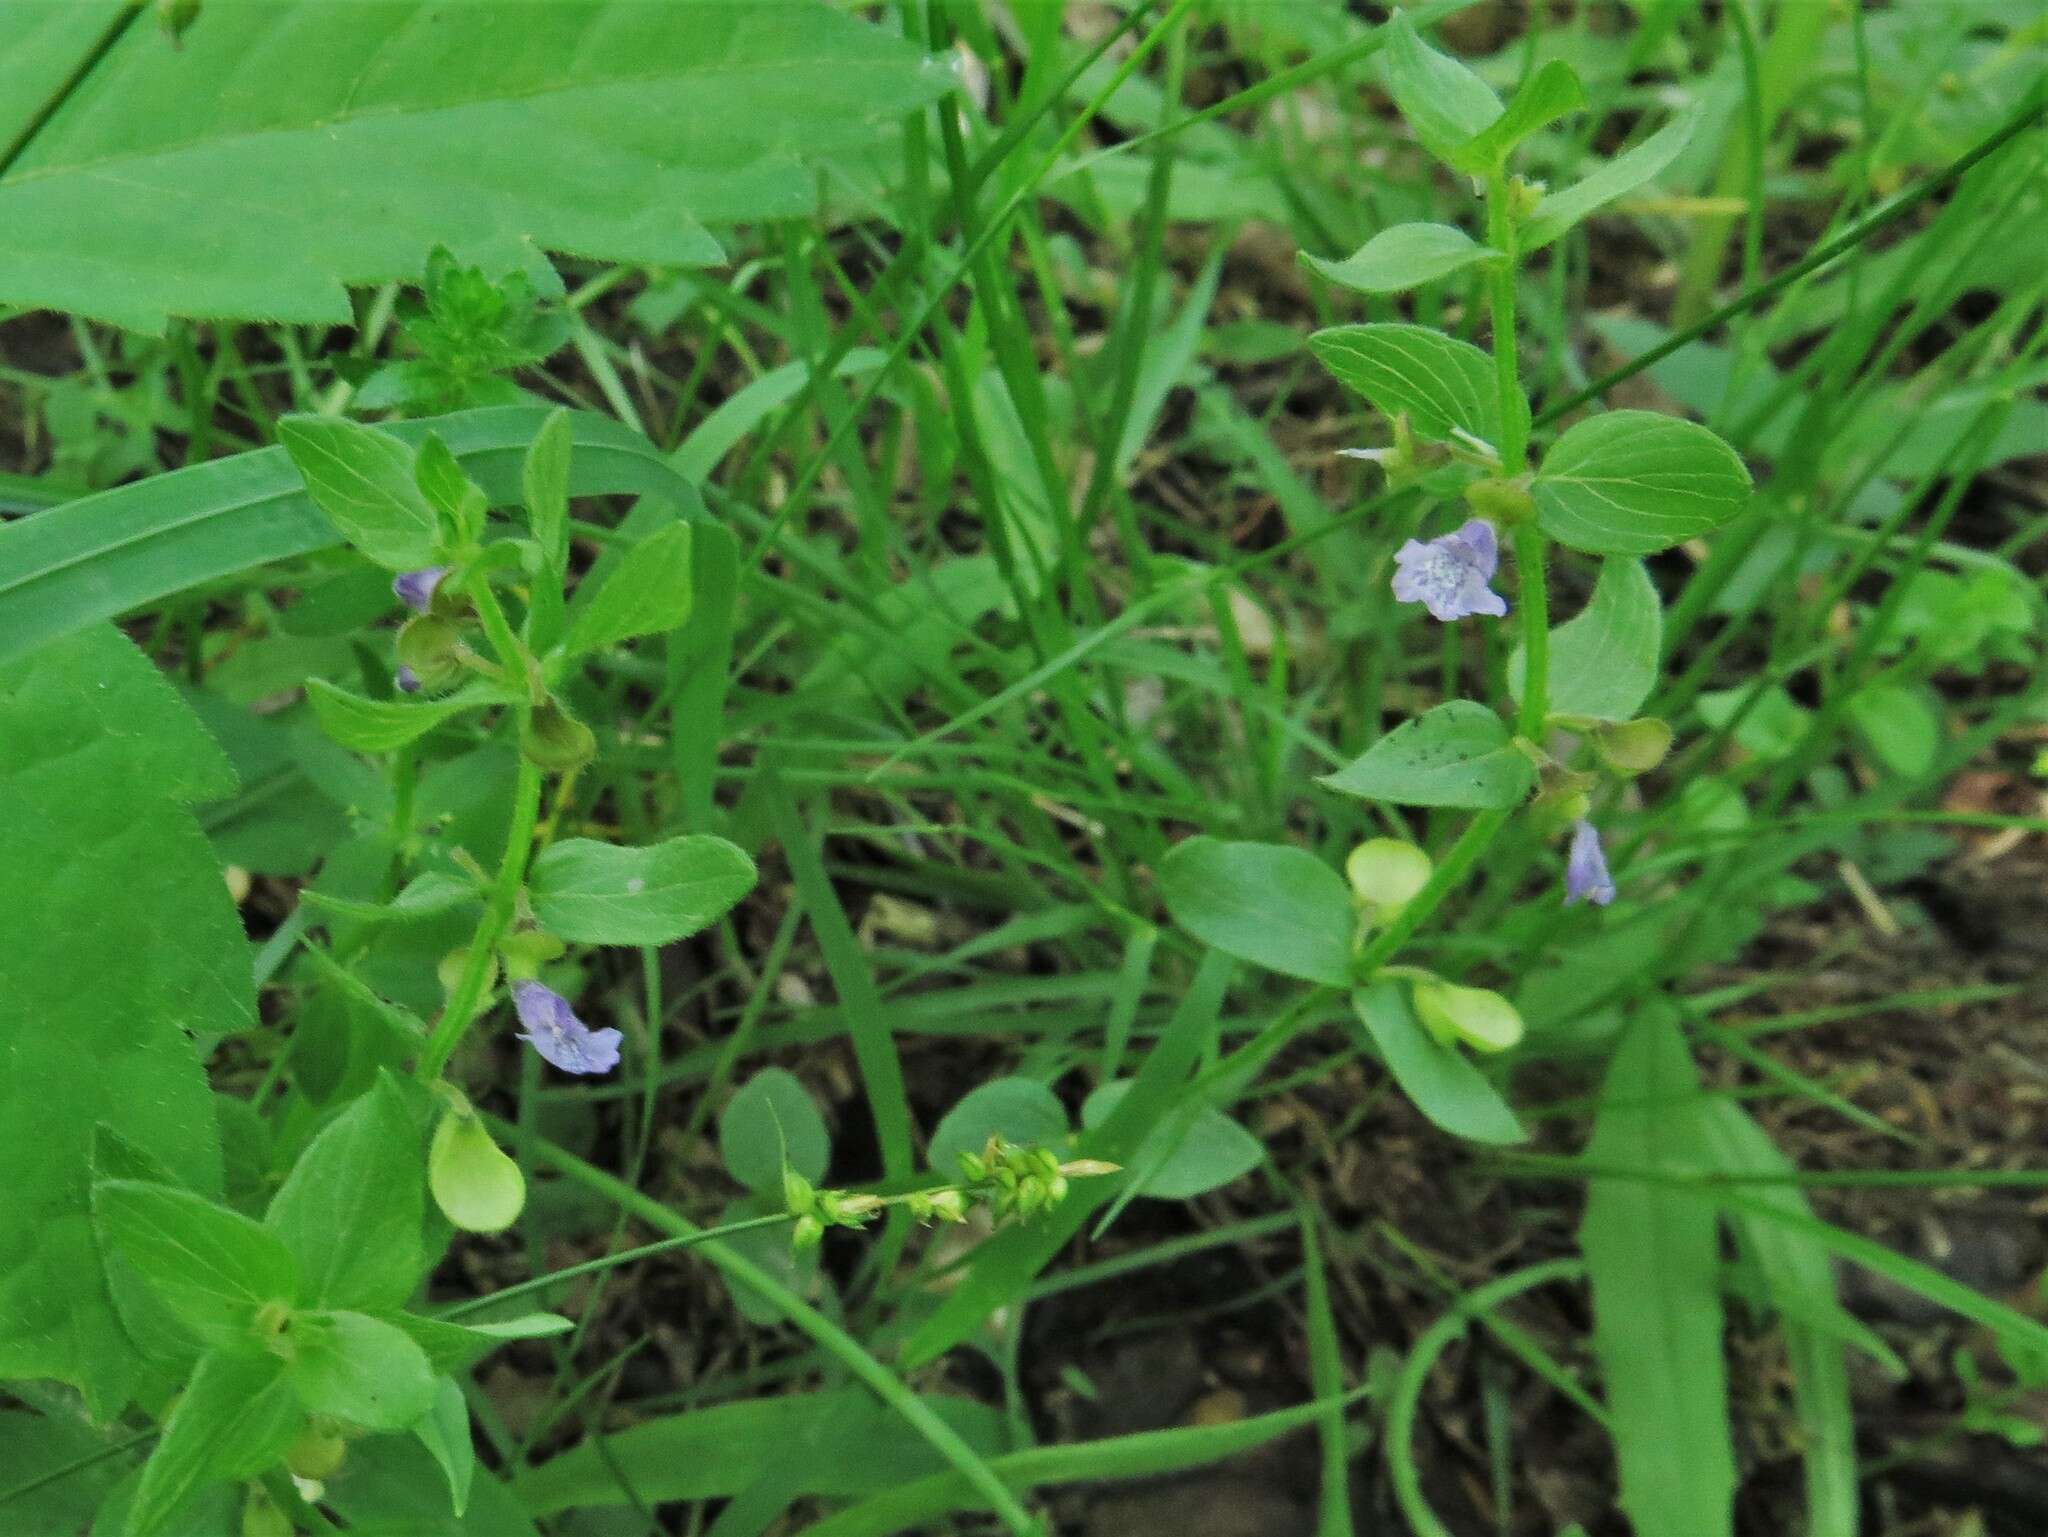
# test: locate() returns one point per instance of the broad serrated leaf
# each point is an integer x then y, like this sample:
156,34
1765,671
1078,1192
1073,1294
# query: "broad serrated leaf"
350,1209
118,942
1443,101
235,1419
604,894
1441,1081
1445,386
1458,754
284,150
215,1269
359,1369
1653,1254
647,592
363,480
1603,662
1267,903
1636,482
103,555
1557,213
1406,256
770,1124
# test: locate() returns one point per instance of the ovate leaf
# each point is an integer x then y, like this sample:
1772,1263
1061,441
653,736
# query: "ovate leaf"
1547,95
603,894
1445,385
1443,101
1019,1110
383,725
1406,256
1635,482
1267,903
1558,212
1603,663
769,1124
215,1269
234,1420
350,1209
1653,1253
118,941
359,1369
1898,726
1192,1150
646,593
444,1431
1458,754
284,150
363,480
1441,1080
455,1347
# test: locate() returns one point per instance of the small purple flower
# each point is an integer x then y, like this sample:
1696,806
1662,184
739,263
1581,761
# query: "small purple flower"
415,589
558,1035
407,680
1448,575
1585,868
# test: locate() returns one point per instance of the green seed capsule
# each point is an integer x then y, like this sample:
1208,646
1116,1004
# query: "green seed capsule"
557,741
477,1187
1386,873
1477,1016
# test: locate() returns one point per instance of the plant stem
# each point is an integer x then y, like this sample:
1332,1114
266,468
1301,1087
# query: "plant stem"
468,995
1531,552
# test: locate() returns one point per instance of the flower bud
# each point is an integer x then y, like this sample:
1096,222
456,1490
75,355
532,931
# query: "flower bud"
1089,1168
806,1233
318,1453
526,951
947,1205
1477,1016
430,647
477,1187
557,741
1634,746
1386,873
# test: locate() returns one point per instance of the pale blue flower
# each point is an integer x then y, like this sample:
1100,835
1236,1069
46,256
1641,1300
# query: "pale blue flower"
1448,575
1585,868
407,680
558,1035
415,589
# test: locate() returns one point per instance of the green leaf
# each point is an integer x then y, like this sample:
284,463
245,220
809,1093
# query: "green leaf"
385,725
350,1210
1635,482
1273,905
1406,256
363,480
1899,726
1653,1254
647,593
235,1419
213,1268
118,941
1772,727
1443,101
772,1122
455,1347
357,138
430,894
1441,1081
1019,1110
359,1369
602,894
444,1431
1458,754
1558,212
1446,386
1800,1277
106,554
1547,95
68,1463
1192,1151
1604,663
544,480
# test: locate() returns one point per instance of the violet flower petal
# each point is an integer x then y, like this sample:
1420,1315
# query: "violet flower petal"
558,1035
1585,868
